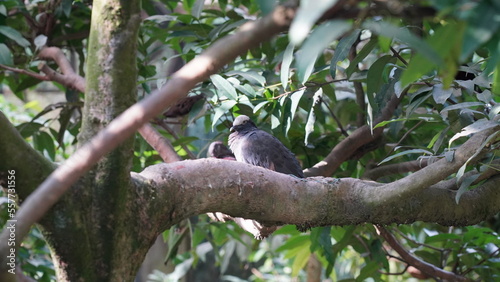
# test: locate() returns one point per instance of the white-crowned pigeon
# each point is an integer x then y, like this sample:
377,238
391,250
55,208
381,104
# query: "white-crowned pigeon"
257,147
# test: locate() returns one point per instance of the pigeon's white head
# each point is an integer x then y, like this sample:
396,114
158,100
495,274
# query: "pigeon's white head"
242,123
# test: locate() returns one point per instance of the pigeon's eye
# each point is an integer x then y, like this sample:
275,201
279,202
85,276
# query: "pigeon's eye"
245,121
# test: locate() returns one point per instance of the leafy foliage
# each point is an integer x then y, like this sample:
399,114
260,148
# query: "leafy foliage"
301,86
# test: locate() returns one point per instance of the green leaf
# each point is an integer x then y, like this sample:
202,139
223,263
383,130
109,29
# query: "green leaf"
427,118
174,240
412,151
294,242
368,270
496,79
315,44
311,119
44,143
440,95
418,100
342,51
375,79
247,90
197,8
462,106
66,6
259,106
226,88
445,42
14,35
404,35
481,26
266,6
301,259
353,66
295,99
184,140
305,18
251,76
5,55
464,186
221,110
28,129
285,65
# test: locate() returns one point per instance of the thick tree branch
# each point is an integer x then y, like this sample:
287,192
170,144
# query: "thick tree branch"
194,187
30,167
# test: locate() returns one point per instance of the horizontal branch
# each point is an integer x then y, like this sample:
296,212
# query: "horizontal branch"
194,187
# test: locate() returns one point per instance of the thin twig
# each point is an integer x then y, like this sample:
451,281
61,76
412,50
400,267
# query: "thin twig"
397,55
481,262
26,72
337,120
403,138
310,85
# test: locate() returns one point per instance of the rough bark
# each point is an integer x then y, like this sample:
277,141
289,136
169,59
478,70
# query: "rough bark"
277,199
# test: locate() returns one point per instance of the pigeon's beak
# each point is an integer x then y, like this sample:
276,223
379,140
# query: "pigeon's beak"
231,129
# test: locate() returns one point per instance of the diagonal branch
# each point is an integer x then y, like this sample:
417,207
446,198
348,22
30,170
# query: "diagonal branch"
423,266
209,62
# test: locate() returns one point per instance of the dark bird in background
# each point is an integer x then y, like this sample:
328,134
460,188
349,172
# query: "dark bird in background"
257,147
183,107
218,150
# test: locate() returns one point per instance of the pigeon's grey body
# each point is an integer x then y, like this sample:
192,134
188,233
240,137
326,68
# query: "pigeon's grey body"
257,147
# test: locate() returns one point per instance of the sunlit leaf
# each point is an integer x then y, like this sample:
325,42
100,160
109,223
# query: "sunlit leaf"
342,51
5,55
405,36
311,119
478,126
307,15
375,79
361,55
462,106
464,186
482,24
14,35
285,65
412,151
252,76
445,43
226,88
315,44
221,110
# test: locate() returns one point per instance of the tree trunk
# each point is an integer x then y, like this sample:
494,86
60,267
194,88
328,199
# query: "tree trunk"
99,212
